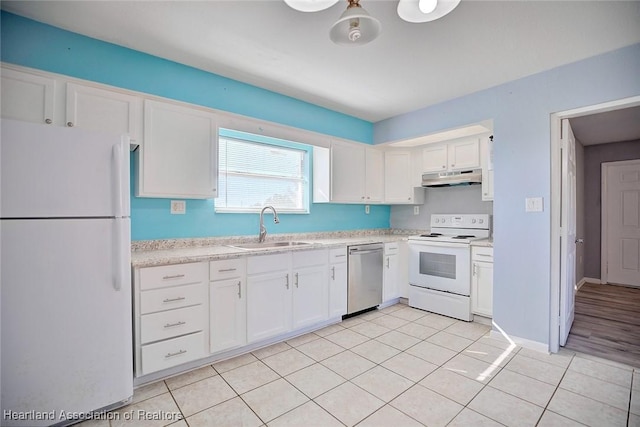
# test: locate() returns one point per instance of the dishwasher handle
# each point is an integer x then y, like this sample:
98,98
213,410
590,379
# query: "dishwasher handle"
357,252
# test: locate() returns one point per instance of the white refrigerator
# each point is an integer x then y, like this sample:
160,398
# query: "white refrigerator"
66,322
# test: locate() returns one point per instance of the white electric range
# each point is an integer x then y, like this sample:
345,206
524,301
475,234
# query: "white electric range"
440,264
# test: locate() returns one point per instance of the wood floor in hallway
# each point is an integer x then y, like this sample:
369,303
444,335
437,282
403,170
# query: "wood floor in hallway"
607,323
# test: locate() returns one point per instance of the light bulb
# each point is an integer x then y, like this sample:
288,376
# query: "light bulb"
427,6
354,30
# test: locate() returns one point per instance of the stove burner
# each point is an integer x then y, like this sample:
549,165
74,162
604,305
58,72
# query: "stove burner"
431,235
463,236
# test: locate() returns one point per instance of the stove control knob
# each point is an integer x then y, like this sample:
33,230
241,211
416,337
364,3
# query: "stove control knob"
473,221
437,220
481,221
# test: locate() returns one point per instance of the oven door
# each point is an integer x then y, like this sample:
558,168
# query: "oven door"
440,266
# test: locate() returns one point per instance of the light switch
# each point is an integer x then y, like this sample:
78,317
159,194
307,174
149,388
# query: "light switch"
178,207
416,210
533,204
367,209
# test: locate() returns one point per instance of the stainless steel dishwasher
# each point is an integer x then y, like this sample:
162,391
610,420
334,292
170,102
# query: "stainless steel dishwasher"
365,277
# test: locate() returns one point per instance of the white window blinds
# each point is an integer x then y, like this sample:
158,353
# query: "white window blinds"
255,174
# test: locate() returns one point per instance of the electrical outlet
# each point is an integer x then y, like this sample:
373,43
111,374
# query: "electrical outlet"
533,204
178,207
367,209
416,210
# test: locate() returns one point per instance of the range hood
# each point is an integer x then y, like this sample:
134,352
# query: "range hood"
446,179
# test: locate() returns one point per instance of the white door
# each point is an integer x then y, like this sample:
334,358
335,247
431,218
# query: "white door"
310,296
621,208
268,305
228,314
568,232
338,290
348,169
27,97
374,183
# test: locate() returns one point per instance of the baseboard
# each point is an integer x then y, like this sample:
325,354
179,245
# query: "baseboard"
587,280
522,342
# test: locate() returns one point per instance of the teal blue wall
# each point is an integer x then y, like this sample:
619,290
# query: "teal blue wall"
33,44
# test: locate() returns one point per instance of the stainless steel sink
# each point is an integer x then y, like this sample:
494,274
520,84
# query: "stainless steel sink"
267,245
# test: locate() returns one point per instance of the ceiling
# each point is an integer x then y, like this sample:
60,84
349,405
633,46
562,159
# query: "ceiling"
611,126
267,44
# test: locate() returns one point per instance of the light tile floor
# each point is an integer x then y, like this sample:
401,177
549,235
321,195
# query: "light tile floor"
396,367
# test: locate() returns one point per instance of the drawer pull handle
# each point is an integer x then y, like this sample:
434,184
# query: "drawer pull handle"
340,256
177,353
487,255
171,325
287,276
175,276
239,291
297,281
333,273
226,270
174,299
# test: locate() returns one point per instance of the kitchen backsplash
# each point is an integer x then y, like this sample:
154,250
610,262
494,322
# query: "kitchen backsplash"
464,199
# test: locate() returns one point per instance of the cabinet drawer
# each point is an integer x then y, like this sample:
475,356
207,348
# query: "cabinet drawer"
391,248
171,298
480,253
309,258
227,268
173,275
165,354
268,263
171,323
338,255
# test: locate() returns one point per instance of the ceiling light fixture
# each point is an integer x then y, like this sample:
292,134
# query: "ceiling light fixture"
356,27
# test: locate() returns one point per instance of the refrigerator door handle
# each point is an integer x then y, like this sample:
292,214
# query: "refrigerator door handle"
120,256
117,170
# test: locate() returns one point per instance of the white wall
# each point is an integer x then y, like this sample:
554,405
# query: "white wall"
522,156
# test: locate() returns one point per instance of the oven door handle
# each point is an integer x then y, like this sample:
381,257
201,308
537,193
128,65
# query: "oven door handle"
373,251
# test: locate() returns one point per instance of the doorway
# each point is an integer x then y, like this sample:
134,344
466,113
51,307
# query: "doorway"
563,297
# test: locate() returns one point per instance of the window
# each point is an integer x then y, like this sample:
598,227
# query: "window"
255,171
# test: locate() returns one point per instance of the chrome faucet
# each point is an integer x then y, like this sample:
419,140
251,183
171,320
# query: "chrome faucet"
263,230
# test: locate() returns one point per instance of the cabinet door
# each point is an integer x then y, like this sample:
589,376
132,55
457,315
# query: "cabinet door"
179,153
228,314
390,288
464,154
103,110
348,173
374,175
434,159
268,305
27,97
482,288
487,169
397,177
310,296
338,289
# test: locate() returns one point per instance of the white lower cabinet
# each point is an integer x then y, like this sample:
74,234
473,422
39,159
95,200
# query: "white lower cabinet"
337,282
482,281
268,296
390,287
170,321
227,305
286,292
310,288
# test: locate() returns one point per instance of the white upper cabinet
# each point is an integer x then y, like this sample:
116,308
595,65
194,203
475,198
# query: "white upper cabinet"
487,169
452,156
357,173
374,175
179,153
434,159
103,110
400,187
27,97
464,154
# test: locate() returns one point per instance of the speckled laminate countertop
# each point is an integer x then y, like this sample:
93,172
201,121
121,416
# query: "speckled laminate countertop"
487,243
177,251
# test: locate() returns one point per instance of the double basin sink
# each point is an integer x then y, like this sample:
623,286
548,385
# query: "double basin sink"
269,245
